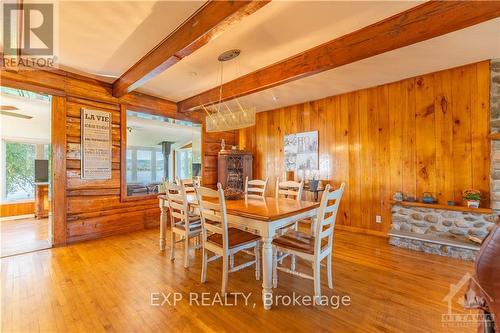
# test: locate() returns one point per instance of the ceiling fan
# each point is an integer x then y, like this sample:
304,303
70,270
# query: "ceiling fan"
5,110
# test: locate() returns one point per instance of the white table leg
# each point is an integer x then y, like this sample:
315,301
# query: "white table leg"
163,225
267,272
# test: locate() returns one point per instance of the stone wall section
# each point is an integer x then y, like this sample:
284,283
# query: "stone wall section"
445,224
433,248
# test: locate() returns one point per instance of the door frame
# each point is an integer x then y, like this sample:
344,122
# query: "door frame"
57,228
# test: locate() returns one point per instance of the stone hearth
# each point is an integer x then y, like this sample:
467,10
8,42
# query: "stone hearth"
438,231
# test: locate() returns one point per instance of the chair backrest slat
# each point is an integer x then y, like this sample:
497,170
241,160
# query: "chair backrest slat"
178,204
213,209
213,228
289,189
188,184
255,187
211,206
327,215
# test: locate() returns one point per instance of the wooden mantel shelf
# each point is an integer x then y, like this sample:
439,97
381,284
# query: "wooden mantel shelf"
479,210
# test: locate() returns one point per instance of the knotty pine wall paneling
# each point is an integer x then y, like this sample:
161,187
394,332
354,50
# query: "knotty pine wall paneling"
427,133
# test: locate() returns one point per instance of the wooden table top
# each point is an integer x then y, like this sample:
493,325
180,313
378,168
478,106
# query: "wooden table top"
265,209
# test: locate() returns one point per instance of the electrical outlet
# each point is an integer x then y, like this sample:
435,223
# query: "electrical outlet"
378,219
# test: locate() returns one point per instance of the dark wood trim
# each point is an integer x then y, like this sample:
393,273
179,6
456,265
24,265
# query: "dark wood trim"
209,21
59,182
31,87
58,82
123,152
428,20
203,149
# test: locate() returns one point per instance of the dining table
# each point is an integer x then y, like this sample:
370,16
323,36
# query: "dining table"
264,216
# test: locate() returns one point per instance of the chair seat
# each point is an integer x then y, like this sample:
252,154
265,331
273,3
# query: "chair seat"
193,225
297,241
236,237
194,217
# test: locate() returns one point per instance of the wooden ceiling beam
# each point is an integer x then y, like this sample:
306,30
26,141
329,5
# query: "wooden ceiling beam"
206,24
428,20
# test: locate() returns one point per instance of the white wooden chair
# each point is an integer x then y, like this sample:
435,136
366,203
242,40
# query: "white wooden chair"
312,248
221,240
289,189
255,187
182,221
292,190
188,184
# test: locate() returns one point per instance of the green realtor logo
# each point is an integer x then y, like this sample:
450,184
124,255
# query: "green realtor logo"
37,29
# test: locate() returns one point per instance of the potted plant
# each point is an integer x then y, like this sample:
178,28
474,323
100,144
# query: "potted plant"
472,197
313,182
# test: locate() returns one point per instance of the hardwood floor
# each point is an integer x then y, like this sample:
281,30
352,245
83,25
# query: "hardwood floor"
23,235
106,285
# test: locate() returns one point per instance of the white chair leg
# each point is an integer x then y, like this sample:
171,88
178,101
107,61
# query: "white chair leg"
231,260
172,245
329,270
313,225
275,268
317,281
224,274
257,261
186,252
293,261
204,263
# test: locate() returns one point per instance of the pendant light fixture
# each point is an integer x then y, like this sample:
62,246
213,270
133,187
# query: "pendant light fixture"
221,117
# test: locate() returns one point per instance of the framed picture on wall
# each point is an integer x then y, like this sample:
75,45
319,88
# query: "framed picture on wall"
301,151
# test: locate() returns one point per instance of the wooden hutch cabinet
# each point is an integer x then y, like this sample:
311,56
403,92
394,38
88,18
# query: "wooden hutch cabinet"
234,166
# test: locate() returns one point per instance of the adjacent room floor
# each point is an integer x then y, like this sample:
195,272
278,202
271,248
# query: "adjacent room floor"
23,235
106,285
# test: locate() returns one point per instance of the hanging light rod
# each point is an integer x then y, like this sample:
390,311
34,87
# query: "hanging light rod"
221,117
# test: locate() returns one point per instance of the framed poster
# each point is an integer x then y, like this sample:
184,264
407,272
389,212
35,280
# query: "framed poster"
301,151
95,144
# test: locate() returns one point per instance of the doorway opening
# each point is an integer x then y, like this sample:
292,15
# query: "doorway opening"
25,171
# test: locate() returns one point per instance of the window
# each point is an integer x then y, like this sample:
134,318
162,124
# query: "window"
144,165
185,163
158,149
19,169
159,166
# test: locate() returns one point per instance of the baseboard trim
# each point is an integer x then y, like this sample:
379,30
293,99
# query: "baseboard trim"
361,230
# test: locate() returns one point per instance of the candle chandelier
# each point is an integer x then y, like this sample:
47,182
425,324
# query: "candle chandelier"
221,117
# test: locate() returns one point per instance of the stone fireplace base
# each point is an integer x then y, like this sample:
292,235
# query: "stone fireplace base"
438,231
431,245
